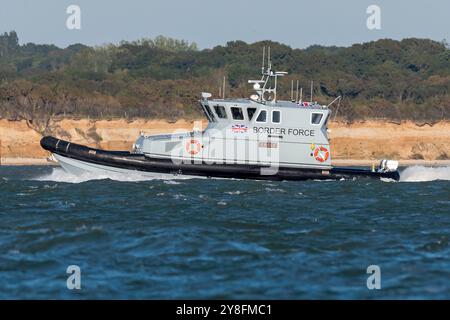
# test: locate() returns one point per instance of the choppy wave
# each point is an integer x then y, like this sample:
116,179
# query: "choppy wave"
422,174
218,232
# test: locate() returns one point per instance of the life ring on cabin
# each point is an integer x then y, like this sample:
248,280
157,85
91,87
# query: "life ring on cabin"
305,104
321,154
193,147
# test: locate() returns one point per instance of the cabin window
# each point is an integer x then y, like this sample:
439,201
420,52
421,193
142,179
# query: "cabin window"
237,113
262,117
251,112
316,118
206,114
276,116
210,113
221,113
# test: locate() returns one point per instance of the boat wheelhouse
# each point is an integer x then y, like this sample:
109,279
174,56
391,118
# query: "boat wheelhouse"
257,131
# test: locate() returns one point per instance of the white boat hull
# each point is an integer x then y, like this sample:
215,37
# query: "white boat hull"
80,168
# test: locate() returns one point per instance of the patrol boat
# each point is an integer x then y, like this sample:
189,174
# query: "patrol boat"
256,138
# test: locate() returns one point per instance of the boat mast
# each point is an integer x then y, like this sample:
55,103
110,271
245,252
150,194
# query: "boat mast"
267,74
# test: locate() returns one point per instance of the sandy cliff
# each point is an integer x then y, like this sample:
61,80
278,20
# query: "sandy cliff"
378,139
367,140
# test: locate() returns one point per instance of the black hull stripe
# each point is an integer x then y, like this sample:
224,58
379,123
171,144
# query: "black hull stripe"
130,161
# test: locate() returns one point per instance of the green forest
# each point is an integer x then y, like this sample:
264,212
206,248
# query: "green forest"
163,78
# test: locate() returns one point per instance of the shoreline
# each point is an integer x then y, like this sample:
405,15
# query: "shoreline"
355,144
26,162
338,162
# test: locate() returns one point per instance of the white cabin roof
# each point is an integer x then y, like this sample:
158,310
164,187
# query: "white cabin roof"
267,104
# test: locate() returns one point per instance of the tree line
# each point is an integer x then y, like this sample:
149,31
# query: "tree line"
162,78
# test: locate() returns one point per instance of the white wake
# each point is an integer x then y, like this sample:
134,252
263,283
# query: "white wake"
422,174
410,174
59,175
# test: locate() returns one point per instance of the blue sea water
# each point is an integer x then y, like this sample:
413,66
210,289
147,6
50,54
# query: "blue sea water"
215,238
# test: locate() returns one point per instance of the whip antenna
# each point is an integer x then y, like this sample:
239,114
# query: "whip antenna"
292,90
263,59
223,91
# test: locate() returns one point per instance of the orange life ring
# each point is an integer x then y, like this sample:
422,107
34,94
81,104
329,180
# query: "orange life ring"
321,154
193,147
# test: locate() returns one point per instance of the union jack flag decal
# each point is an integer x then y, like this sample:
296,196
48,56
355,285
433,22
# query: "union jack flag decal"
239,128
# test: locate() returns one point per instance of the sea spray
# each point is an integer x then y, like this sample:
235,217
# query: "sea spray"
59,175
422,174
